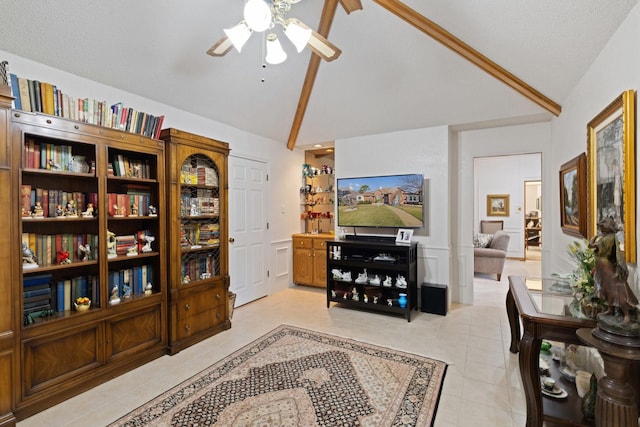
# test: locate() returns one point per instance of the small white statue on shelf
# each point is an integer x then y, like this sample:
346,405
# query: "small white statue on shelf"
346,276
362,277
194,210
132,250
337,274
111,244
365,298
152,211
148,290
355,295
29,259
375,280
114,299
147,245
401,282
388,282
88,213
126,291
84,252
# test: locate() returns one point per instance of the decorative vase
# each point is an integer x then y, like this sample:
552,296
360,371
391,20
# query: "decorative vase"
82,307
79,164
589,399
402,300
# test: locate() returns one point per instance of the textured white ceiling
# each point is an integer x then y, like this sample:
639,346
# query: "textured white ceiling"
389,77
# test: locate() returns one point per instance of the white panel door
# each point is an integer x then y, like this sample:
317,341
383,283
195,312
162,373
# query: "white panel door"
248,233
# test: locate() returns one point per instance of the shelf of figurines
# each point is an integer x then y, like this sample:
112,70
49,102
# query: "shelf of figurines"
309,171
386,296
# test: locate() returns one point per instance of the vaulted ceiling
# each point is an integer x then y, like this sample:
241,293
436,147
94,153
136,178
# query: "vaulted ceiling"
495,61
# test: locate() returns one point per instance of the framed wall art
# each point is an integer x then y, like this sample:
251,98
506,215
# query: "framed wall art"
611,163
497,205
573,196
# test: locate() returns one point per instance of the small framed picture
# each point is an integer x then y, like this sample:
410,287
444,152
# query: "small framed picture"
404,236
497,205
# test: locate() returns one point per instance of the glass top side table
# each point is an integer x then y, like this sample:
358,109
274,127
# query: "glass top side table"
545,315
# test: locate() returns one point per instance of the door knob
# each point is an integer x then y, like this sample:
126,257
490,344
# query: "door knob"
231,240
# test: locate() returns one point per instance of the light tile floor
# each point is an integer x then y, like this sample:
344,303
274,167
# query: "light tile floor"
482,386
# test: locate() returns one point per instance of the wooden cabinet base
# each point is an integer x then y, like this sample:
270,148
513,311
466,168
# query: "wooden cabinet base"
310,259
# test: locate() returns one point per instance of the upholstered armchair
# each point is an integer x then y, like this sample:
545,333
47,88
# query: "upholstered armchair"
490,259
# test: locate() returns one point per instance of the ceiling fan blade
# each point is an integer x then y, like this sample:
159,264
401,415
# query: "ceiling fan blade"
351,5
323,47
221,47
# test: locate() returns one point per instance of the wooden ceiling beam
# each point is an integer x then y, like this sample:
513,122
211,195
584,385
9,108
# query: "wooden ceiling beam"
441,35
328,12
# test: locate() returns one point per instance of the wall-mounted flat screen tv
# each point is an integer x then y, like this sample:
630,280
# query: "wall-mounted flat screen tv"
391,201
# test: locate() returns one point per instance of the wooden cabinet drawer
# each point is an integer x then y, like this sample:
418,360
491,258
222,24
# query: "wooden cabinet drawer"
302,242
320,245
198,322
202,300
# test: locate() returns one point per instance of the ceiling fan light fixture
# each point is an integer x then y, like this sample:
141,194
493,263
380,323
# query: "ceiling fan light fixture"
257,15
275,53
238,35
298,34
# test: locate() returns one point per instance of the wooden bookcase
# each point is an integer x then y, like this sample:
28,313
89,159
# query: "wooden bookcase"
59,351
383,260
198,266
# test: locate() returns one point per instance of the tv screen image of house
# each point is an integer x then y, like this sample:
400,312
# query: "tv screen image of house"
393,201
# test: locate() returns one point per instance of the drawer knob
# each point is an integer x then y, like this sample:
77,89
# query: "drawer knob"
187,307
218,296
187,327
48,121
218,315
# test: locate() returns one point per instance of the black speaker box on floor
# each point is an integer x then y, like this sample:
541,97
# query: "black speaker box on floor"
433,298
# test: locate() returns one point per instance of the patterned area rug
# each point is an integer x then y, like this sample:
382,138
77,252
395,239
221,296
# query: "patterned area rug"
297,377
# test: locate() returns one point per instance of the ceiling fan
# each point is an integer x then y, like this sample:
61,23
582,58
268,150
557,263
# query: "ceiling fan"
265,15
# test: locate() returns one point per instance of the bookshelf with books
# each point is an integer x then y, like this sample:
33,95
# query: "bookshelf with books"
43,97
90,287
198,274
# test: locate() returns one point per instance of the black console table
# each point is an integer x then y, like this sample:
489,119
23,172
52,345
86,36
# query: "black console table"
385,264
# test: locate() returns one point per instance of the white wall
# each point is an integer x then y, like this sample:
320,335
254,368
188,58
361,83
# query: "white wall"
505,175
616,69
422,151
284,165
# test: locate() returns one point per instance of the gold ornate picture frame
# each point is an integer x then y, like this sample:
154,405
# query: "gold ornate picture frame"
611,163
497,205
573,196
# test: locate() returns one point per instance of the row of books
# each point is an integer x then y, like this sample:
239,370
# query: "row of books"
199,175
130,204
43,97
197,266
54,202
131,243
192,234
69,290
45,155
130,281
47,246
194,206
122,165
39,295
